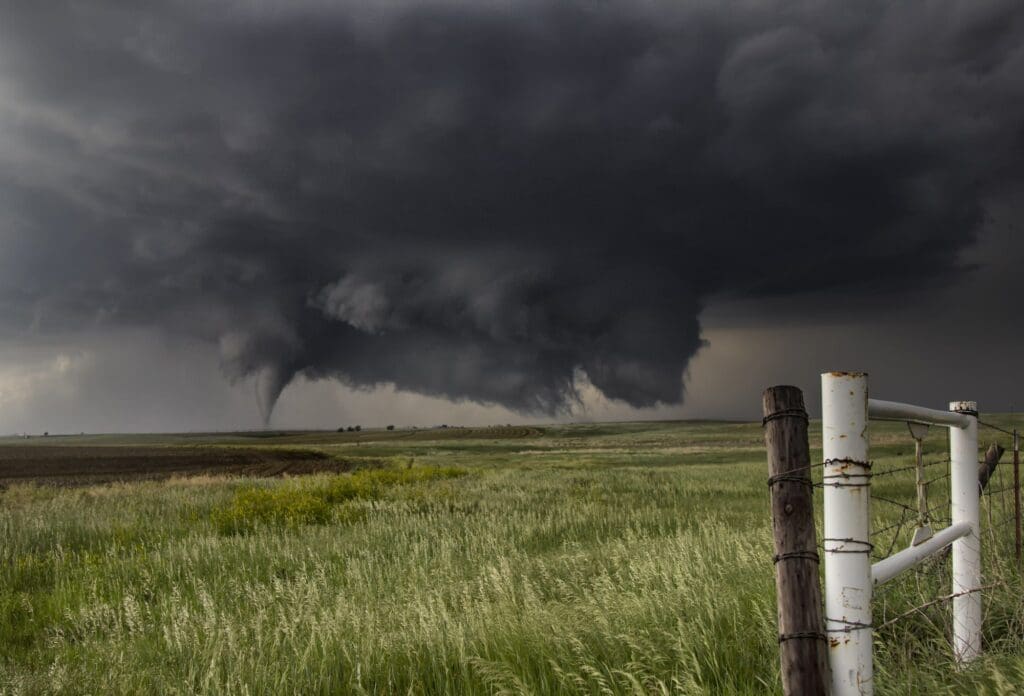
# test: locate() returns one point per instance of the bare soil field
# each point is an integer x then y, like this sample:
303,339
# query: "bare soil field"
65,465
97,459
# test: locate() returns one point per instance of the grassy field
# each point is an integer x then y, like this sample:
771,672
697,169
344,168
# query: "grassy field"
611,558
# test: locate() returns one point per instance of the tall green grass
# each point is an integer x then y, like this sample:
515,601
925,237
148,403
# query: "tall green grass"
297,504
546,576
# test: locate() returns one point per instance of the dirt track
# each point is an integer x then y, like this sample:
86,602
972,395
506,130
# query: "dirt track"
76,465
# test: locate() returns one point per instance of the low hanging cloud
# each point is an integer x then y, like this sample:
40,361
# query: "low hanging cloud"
479,200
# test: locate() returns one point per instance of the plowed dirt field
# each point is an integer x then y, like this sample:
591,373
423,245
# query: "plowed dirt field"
77,465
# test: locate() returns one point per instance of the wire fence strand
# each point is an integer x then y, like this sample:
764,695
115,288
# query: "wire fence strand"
920,592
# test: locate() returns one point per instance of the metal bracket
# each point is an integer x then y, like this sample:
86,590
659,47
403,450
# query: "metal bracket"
918,431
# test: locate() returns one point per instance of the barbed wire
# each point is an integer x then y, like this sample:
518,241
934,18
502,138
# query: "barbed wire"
919,592
883,530
912,467
932,576
933,602
937,478
982,423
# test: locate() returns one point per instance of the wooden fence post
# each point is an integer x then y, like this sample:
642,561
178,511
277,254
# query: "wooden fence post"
1016,494
987,466
802,645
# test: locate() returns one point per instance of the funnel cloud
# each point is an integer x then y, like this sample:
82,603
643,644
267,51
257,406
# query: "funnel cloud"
483,201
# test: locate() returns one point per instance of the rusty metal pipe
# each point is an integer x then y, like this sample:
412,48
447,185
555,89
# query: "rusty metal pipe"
847,541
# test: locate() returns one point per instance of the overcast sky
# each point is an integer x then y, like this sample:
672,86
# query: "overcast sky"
216,214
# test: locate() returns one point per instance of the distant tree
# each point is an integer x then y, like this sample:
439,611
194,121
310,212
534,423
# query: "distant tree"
341,429
391,427
46,434
351,429
358,428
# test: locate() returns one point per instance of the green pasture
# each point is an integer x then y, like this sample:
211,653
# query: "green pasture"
626,558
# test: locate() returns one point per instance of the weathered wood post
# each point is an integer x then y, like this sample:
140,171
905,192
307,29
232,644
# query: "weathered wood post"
1016,493
987,466
801,635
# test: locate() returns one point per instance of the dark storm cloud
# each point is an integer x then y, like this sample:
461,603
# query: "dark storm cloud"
479,200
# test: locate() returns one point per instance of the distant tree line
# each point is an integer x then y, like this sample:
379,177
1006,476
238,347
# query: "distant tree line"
357,428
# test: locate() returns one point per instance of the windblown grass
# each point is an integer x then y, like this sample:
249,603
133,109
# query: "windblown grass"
643,565
296,504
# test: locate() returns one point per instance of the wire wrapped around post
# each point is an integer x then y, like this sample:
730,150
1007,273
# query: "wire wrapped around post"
802,643
847,539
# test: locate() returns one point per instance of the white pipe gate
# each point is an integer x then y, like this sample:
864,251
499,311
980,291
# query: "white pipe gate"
849,575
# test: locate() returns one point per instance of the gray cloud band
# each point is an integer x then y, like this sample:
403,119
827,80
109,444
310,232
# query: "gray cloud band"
475,201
